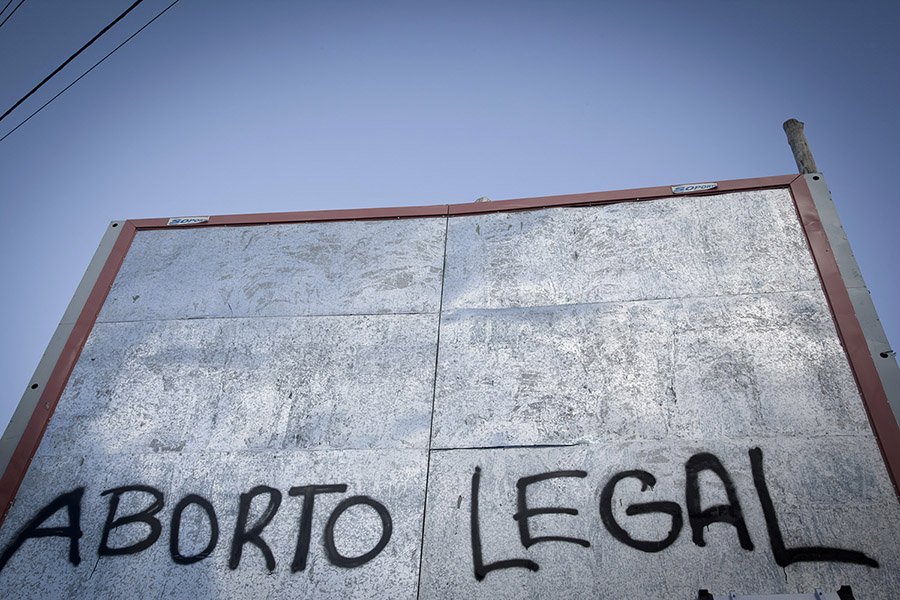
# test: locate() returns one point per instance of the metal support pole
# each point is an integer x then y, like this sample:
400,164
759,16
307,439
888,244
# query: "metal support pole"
802,154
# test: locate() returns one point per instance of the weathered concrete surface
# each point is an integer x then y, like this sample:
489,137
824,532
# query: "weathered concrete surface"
395,478
741,243
826,492
366,267
696,368
249,384
226,359
630,336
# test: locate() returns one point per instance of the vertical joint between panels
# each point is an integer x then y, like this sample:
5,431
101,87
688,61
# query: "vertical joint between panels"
437,350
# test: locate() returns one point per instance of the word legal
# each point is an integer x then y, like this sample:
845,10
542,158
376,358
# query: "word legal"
698,517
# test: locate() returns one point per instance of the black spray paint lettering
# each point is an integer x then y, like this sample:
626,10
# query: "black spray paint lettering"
243,534
730,514
145,516
387,526
481,569
175,531
783,555
619,533
309,493
524,512
254,535
71,501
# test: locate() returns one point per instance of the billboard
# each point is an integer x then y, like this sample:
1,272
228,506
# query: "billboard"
644,393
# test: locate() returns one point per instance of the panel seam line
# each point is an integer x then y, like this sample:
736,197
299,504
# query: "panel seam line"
437,351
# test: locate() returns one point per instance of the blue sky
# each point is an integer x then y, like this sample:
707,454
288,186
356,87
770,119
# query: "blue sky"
235,107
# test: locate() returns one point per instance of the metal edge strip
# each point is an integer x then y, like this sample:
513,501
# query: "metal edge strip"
879,346
26,430
850,332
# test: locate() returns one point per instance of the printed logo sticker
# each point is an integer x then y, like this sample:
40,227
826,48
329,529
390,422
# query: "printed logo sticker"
187,220
693,187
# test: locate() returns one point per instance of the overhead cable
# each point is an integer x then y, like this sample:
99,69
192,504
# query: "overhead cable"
97,64
7,6
21,2
70,59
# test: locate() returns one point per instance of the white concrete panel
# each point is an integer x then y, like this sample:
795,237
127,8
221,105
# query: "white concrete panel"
249,384
740,243
696,368
768,365
366,267
556,375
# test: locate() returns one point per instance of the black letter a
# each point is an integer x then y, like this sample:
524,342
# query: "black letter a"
71,501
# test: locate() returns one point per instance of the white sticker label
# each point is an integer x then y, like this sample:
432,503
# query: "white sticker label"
187,220
693,187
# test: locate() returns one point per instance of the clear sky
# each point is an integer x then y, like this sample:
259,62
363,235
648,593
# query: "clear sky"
234,107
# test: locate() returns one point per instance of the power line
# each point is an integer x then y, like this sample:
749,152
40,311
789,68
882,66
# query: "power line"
70,59
21,2
7,6
97,64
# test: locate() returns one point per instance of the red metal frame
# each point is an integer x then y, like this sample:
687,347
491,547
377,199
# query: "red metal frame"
37,424
881,418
